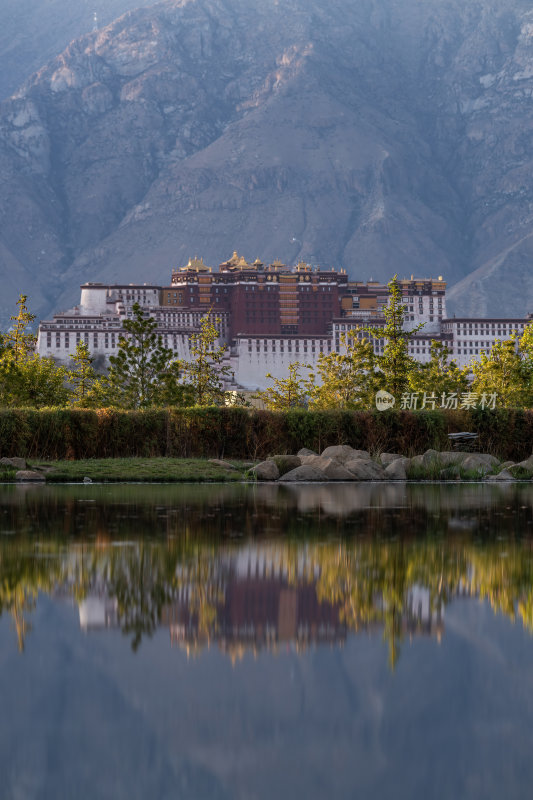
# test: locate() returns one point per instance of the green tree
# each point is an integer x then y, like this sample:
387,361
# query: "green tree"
26,379
19,338
141,367
505,371
172,391
39,382
140,590
395,365
345,380
206,373
526,355
83,378
35,382
439,375
287,392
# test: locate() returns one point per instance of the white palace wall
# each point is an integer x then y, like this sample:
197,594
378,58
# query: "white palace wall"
254,357
98,321
57,339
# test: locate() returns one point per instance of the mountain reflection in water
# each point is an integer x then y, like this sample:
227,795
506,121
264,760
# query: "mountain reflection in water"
254,567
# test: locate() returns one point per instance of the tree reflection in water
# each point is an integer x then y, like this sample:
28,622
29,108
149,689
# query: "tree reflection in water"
251,567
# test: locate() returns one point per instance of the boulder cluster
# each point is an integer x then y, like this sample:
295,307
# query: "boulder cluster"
23,474
345,463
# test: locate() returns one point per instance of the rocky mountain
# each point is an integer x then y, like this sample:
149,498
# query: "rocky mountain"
32,32
385,136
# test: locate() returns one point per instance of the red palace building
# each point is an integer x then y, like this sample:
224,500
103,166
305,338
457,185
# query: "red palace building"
261,300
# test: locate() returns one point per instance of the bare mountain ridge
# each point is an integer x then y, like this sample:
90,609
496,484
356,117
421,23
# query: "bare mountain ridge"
34,31
385,137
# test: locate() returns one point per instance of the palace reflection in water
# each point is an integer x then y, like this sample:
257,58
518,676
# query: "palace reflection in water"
258,599
230,642
249,568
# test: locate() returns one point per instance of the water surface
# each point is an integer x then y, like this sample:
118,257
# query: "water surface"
237,641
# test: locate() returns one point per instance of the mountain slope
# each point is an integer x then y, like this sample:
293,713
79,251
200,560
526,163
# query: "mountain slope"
386,136
33,31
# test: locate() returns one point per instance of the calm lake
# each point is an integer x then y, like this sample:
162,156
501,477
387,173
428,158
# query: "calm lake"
254,642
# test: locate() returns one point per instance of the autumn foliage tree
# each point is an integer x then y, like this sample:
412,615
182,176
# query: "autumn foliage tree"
507,371
286,393
347,379
26,379
440,375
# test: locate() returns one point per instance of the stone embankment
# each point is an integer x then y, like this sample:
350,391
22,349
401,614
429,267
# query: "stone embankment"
344,463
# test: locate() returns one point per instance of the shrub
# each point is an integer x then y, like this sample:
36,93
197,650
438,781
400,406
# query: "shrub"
250,433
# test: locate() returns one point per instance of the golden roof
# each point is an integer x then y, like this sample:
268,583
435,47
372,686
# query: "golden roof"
195,265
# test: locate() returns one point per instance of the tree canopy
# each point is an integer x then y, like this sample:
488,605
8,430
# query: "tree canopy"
143,373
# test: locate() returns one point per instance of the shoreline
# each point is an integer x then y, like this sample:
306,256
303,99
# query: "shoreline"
212,482
431,467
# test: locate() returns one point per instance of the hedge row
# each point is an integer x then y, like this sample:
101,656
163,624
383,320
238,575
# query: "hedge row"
249,433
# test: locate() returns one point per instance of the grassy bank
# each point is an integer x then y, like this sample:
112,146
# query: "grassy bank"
167,470
7,474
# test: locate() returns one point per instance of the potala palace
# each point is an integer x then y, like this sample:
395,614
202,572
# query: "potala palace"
267,315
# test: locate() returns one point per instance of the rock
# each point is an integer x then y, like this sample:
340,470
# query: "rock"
87,480
336,472
364,454
485,458
219,462
432,462
286,463
395,470
16,463
388,458
523,470
318,461
97,99
29,475
331,467
266,471
449,457
304,451
364,469
526,464
418,461
481,463
303,473
504,475
426,459
507,464
342,452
